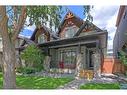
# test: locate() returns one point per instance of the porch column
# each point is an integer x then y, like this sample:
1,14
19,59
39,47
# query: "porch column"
97,64
47,63
78,63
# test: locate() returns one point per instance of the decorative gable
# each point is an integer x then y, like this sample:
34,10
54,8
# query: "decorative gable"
87,28
69,15
40,35
69,26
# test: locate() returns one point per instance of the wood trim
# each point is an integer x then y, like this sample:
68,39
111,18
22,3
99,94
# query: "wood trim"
120,14
75,44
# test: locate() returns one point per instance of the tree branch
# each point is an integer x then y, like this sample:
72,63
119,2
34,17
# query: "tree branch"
21,21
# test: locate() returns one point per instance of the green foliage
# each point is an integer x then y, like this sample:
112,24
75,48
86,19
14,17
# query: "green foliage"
123,57
87,9
33,82
34,58
42,14
26,70
100,86
33,55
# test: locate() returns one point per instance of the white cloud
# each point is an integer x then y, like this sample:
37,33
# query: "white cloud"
105,17
32,28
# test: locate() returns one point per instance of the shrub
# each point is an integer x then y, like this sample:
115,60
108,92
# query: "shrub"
34,57
26,70
123,57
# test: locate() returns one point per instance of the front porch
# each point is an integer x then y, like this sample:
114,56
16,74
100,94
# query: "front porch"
76,54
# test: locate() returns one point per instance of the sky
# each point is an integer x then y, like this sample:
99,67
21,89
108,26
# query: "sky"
103,16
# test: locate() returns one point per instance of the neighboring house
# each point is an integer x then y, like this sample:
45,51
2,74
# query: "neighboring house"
77,42
120,39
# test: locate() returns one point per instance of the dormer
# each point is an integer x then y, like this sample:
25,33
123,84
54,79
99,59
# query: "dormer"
41,35
69,26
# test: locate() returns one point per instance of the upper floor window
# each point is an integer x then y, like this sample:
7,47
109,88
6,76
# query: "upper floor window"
70,31
41,38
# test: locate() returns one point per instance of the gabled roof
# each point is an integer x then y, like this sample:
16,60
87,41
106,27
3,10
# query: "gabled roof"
69,15
86,25
46,30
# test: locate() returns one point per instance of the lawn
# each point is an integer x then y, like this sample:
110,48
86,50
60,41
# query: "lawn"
32,82
100,86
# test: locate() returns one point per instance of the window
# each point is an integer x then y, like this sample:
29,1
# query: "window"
70,31
68,57
41,38
91,61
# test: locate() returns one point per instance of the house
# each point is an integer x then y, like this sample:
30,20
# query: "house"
77,45
119,43
120,39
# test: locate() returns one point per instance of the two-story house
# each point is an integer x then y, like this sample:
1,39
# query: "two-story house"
76,43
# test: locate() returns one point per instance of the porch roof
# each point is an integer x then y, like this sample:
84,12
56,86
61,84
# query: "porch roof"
85,38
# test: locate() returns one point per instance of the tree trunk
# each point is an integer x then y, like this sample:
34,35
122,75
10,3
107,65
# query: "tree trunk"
9,59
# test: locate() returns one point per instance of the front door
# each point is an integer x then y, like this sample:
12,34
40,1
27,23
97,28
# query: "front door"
90,59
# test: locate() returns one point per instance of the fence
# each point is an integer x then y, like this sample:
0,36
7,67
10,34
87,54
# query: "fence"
112,65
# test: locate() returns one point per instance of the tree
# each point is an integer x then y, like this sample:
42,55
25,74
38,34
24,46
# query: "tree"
87,10
9,58
10,33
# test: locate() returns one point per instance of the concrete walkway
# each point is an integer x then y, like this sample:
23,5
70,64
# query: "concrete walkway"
75,84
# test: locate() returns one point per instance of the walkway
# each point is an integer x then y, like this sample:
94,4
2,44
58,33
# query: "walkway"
75,84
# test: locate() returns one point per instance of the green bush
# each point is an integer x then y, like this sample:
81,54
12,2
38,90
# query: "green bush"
26,70
34,58
123,57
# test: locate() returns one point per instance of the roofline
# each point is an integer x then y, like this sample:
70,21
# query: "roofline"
44,27
85,36
120,13
59,27
84,25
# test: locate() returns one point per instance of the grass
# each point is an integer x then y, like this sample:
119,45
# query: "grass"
100,86
32,82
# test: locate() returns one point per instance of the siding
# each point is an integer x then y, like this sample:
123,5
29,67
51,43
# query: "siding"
120,36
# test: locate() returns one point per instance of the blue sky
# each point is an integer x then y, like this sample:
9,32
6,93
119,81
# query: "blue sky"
78,10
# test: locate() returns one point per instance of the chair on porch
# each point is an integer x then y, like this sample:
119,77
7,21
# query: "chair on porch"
61,66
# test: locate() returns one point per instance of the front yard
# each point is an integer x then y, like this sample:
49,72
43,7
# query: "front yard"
100,86
32,82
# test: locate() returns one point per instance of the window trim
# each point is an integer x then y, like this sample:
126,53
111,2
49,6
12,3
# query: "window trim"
40,37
